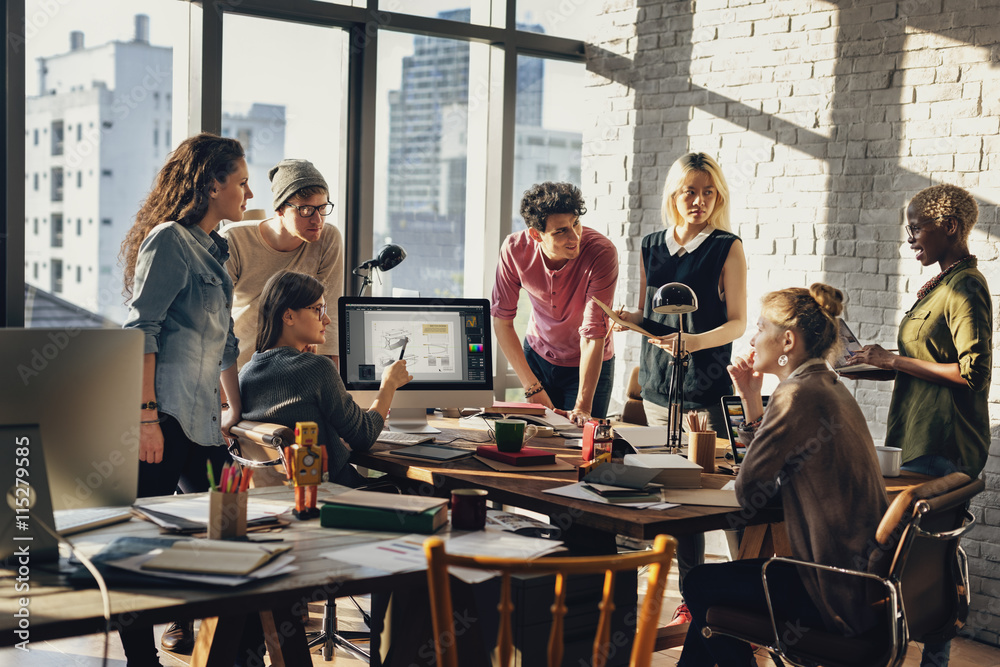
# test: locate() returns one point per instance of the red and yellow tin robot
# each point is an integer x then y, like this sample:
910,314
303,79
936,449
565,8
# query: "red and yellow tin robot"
305,463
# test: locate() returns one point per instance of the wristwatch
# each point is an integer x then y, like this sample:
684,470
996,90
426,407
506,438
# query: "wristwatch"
150,405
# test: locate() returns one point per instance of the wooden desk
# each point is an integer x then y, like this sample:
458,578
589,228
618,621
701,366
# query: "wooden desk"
587,520
57,610
589,526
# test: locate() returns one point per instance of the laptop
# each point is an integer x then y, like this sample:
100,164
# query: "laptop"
732,407
850,344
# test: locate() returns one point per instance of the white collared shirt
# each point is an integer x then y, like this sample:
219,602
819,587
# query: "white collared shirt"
675,248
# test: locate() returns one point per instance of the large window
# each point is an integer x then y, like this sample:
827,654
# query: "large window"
421,170
98,81
294,109
428,119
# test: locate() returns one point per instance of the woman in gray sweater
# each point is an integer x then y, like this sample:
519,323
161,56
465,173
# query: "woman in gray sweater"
285,382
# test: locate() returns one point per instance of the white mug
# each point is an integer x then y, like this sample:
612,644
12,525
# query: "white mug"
889,460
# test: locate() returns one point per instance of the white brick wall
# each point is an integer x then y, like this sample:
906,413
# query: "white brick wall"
826,121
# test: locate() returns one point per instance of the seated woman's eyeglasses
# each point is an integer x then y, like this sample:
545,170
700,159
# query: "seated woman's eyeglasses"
320,310
307,211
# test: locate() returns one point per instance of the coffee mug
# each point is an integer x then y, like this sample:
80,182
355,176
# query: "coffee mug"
511,434
889,460
468,509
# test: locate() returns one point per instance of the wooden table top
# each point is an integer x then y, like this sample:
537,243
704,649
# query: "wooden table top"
59,610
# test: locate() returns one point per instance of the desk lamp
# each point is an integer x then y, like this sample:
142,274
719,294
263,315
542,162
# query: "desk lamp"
389,256
676,299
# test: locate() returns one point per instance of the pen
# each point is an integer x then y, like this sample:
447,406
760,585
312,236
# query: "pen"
403,351
224,478
211,476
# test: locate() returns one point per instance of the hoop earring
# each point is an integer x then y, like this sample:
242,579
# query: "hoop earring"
783,360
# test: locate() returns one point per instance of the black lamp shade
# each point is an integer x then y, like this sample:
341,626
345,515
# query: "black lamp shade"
389,256
675,299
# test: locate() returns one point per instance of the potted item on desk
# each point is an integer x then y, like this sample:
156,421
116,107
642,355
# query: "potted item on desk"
305,463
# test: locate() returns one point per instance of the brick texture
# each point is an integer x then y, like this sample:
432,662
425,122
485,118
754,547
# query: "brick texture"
826,118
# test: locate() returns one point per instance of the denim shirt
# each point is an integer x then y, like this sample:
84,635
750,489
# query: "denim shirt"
182,301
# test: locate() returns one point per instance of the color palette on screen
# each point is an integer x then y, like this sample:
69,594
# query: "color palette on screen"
475,347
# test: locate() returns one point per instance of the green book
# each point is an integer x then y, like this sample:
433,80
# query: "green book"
334,515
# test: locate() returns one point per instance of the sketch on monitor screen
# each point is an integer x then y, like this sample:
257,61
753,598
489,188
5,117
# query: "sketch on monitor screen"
428,347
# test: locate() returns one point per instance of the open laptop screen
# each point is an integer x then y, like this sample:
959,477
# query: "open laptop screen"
732,407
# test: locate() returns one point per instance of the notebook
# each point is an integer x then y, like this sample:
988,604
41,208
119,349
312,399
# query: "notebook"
850,344
732,407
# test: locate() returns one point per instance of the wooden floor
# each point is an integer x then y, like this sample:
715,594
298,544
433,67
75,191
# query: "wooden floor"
87,651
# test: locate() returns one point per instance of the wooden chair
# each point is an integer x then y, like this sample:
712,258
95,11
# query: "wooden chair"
646,625
919,566
633,412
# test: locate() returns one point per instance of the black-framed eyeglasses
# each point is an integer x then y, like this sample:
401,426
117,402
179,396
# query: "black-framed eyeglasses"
320,310
913,230
307,211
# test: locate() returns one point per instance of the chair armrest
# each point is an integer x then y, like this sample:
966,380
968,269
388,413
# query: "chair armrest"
970,521
264,433
894,595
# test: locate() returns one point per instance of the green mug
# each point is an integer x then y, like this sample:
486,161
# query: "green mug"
511,434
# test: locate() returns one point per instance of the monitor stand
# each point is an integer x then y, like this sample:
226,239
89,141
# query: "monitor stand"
409,420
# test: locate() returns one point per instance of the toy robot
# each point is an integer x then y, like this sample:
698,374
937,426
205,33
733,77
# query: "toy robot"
305,463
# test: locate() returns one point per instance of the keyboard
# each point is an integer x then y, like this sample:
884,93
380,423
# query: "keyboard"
70,522
397,438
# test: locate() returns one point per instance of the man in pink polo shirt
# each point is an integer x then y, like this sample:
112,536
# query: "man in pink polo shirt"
567,359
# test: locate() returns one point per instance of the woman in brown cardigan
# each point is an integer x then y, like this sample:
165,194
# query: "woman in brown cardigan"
811,452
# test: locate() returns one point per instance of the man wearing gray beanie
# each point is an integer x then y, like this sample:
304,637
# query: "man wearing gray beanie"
296,238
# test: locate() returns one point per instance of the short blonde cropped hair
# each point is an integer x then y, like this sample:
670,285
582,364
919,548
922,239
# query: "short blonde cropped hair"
675,179
948,201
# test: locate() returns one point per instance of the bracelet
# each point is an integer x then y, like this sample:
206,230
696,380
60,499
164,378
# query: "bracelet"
529,392
155,421
149,405
750,426
225,406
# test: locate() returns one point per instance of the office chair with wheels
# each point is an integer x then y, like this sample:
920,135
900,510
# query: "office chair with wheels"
260,446
919,565
442,615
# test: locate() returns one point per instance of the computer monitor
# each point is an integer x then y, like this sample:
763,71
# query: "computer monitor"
446,343
69,424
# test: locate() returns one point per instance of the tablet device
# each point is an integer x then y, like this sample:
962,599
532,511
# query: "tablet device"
732,408
849,344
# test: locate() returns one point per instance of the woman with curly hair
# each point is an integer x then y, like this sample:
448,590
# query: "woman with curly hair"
181,298
939,414
811,453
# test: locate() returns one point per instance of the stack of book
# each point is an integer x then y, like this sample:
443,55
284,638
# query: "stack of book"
368,510
528,456
673,470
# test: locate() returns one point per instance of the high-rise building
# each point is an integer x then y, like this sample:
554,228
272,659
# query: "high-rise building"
428,158
96,135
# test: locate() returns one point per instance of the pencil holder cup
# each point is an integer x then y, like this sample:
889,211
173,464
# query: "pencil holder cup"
227,515
701,449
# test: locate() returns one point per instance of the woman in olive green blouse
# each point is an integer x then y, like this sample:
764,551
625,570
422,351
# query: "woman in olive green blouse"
939,415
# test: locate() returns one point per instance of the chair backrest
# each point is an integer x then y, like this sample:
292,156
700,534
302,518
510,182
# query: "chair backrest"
646,624
259,446
632,411
918,546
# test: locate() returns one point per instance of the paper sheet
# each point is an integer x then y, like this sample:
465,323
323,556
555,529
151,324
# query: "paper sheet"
280,565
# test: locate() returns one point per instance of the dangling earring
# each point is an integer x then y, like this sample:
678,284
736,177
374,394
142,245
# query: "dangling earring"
783,360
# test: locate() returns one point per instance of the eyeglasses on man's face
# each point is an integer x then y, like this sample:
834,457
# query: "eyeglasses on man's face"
913,230
320,310
307,211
